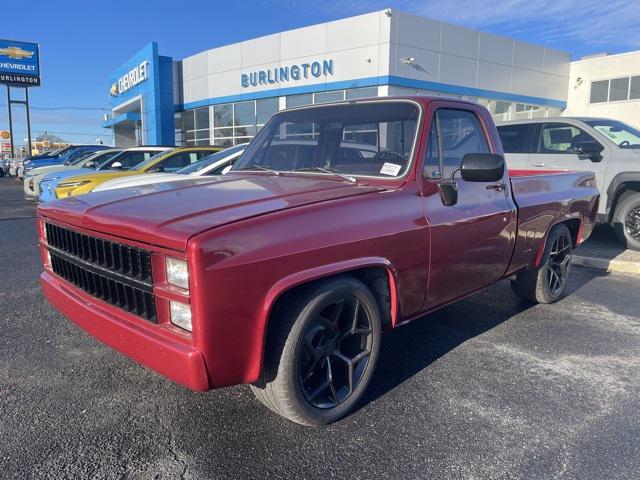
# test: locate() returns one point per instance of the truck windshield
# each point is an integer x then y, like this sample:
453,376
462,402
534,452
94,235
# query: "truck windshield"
619,133
373,139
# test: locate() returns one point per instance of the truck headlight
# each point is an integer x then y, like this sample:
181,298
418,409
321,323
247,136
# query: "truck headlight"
177,272
181,315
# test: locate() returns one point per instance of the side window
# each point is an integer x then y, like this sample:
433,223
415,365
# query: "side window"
132,159
200,154
177,161
516,138
432,167
460,133
561,138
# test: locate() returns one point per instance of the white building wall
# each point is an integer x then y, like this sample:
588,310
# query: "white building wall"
584,72
471,59
359,47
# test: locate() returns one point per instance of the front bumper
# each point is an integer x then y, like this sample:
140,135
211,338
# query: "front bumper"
181,363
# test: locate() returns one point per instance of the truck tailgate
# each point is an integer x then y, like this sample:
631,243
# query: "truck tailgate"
545,199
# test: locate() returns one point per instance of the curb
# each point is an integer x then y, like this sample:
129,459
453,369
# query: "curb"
622,266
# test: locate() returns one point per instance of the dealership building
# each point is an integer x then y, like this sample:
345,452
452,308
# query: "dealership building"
224,95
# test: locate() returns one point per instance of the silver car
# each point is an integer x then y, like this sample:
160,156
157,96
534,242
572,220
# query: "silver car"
32,179
607,147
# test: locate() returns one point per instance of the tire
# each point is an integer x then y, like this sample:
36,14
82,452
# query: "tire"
626,220
546,284
314,321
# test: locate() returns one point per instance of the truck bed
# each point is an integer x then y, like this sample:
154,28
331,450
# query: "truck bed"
545,198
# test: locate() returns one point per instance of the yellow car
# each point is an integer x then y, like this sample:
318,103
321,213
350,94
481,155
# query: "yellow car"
166,160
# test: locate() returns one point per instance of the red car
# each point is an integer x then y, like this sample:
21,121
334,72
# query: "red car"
339,221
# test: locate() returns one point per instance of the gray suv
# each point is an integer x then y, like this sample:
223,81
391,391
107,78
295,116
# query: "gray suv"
607,147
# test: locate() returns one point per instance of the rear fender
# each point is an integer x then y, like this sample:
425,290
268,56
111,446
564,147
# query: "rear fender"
539,253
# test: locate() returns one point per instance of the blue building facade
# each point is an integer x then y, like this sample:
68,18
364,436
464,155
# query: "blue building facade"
142,103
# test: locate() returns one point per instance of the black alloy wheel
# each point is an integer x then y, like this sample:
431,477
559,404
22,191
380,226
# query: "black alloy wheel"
335,352
559,263
632,223
321,352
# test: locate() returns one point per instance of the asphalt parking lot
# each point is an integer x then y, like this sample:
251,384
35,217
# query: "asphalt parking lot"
488,388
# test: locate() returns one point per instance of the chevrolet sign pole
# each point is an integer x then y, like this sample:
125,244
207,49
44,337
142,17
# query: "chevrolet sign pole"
19,67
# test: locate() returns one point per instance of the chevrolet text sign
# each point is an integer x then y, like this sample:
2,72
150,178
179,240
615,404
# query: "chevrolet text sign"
19,63
133,77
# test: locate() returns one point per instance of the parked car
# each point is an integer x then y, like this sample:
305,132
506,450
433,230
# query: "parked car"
93,160
64,155
284,272
609,148
214,164
5,166
166,161
119,162
14,165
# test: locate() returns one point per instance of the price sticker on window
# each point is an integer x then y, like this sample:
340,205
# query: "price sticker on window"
390,169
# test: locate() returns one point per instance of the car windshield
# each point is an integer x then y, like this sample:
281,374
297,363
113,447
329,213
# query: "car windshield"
80,158
619,133
363,139
98,158
211,159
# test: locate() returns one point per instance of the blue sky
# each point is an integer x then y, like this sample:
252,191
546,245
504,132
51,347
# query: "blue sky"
82,42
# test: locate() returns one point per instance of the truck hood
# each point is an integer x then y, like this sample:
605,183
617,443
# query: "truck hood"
168,214
141,179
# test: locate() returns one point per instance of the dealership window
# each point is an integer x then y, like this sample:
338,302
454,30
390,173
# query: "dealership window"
619,89
326,97
615,90
299,100
361,93
600,91
265,108
634,88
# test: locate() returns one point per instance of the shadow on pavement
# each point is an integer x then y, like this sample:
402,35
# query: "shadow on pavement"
411,348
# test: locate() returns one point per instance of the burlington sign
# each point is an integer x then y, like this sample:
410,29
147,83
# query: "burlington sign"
289,73
133,77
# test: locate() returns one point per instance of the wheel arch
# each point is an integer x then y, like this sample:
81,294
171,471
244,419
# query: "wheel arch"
369,270
619,186
574,224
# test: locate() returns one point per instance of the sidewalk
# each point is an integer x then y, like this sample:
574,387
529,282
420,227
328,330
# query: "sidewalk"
603,252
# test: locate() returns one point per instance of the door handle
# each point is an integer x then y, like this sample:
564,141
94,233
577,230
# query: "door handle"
540,164
498,187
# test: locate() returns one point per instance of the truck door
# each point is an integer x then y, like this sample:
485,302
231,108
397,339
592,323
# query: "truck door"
558,146
471,241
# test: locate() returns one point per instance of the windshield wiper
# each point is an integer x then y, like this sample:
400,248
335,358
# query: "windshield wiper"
260,167
326,170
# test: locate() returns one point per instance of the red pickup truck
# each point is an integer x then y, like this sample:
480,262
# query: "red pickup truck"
339,221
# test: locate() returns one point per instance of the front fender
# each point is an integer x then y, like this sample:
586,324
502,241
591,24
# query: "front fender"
299,278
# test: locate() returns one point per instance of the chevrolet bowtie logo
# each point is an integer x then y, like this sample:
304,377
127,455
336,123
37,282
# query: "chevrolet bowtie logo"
114,90
16,52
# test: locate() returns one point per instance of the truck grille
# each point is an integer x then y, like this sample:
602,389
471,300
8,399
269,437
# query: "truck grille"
118,274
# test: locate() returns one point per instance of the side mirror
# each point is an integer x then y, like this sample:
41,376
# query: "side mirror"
591,149
482,167
90,165
448,192
116,165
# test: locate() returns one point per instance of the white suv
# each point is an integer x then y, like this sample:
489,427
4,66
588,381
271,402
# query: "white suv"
607,147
